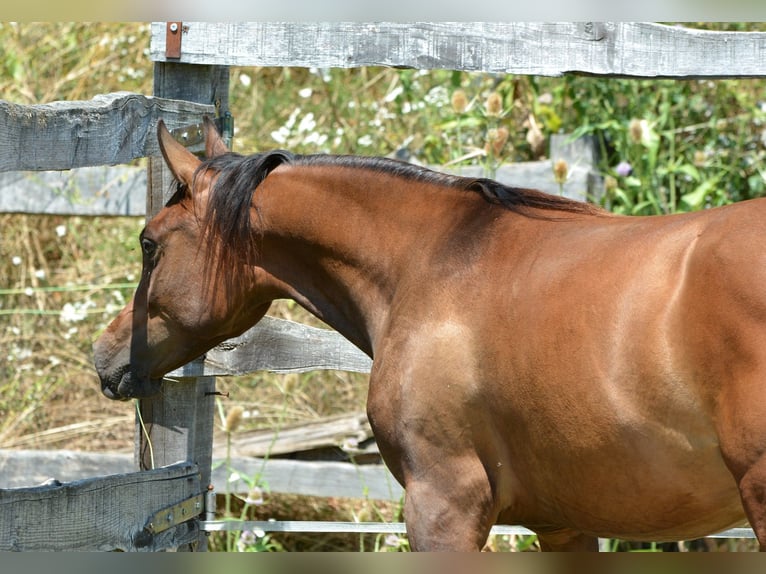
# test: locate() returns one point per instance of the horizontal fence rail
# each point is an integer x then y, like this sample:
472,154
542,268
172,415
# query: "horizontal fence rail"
532,48
25,468
110,129
101,513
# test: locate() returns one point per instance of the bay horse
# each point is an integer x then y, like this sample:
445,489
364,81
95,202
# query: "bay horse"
536,360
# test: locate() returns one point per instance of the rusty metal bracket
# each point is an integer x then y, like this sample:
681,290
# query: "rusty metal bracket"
173,33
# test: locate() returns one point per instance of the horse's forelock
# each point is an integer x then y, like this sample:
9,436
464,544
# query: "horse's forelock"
230,243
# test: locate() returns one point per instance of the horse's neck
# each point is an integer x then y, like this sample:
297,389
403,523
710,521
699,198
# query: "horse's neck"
338,245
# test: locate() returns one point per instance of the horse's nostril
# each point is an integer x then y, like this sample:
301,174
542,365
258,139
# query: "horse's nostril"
110,394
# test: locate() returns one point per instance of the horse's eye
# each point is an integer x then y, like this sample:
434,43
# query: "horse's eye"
149,247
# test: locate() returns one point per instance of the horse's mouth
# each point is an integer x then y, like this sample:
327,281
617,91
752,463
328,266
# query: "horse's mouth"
124,384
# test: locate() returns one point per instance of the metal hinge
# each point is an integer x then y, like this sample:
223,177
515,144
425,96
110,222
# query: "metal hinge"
192,136
174,515
189,136
188,509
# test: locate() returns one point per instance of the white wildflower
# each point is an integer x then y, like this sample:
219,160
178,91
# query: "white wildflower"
307,123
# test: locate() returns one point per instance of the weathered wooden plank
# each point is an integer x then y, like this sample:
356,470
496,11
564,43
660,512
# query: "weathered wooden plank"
23,468
178,423
345,431
279,346
27,468
110,129
99,190
178,426
314,478
534,48
104,513
208,85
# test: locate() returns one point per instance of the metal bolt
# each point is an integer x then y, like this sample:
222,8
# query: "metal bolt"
174,27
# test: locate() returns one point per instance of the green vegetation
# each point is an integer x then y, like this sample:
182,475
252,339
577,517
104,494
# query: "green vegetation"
666,146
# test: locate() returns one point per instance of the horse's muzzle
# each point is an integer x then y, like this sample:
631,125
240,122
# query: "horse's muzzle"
123,384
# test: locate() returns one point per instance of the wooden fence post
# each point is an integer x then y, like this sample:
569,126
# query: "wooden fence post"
178,424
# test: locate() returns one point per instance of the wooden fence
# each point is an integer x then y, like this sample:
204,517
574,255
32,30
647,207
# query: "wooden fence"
162,507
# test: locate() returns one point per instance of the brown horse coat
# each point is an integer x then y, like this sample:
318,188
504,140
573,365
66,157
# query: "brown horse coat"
536,361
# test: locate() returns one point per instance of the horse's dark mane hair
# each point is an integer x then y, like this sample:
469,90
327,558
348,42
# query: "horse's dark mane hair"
228,213
517,199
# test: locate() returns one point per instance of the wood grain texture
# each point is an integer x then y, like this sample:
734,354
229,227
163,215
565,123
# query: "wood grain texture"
279,346
104,513
23,468
346,432
532,48
110,129
177,425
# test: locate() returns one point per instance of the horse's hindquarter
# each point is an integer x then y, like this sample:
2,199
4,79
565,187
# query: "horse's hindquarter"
622,334
586,360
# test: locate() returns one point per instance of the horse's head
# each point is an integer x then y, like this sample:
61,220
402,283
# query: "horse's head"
184,304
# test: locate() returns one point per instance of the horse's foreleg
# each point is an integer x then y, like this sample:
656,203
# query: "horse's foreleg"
752,488
453,513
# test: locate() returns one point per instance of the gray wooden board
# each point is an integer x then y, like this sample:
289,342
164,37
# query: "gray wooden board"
533,48
24,468
110,129
177,424
282,346
100,190
102,513
346,431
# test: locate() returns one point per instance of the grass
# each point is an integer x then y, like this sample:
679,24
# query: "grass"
689,145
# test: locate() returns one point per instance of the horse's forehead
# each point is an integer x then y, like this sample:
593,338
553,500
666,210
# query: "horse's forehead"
171,217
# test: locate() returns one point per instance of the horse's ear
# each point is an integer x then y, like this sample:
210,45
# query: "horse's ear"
213,142
180,160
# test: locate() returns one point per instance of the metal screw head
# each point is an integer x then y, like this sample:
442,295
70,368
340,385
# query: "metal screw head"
174,27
